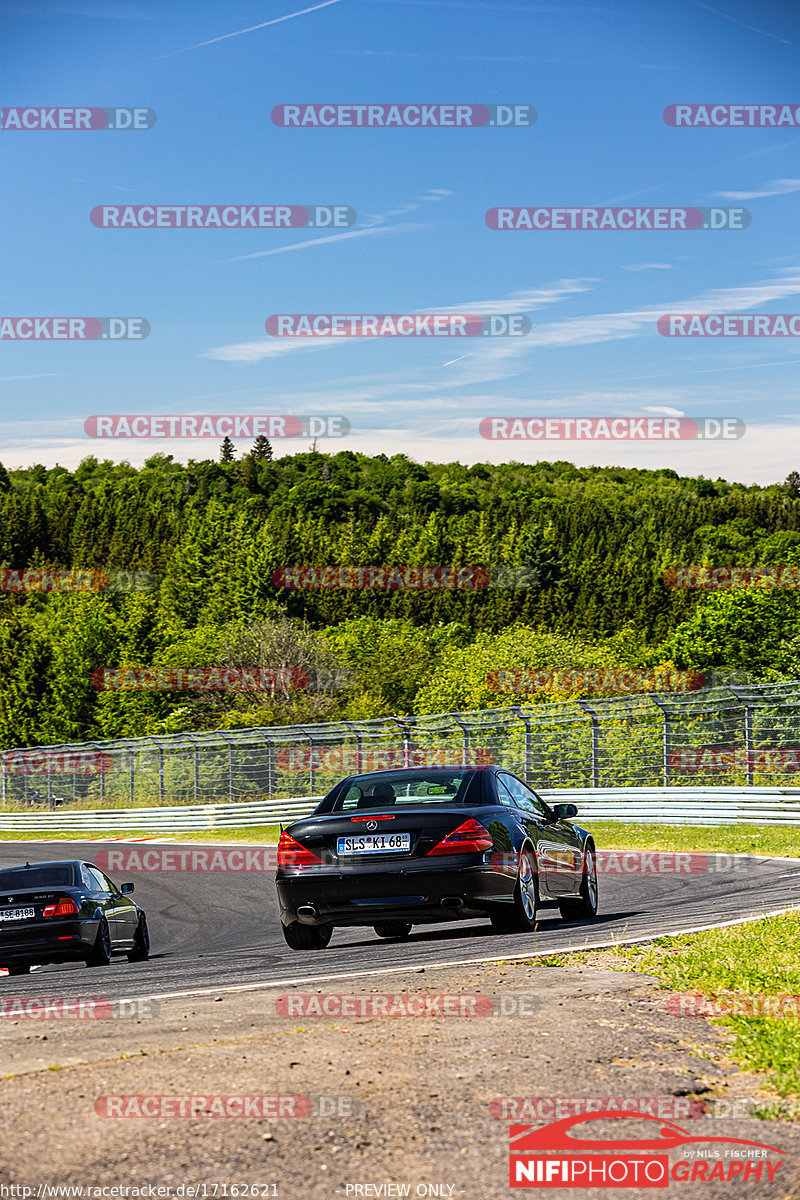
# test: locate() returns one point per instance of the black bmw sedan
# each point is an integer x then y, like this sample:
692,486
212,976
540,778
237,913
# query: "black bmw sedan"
399,848
67,912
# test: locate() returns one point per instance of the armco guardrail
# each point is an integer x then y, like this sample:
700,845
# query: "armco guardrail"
670,806
165,819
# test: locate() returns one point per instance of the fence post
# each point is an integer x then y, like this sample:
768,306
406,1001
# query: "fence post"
132,774
584,704
312,774
357,734
406,738
160,768
464,738
3,766
748,731
528,772
196,756
230,764
270,767
666,739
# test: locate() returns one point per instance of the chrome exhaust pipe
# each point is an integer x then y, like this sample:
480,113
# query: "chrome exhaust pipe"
306,914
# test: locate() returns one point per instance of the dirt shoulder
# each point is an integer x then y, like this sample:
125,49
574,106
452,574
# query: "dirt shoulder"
396,1100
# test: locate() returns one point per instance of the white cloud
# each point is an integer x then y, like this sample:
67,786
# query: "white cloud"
778,187
649,266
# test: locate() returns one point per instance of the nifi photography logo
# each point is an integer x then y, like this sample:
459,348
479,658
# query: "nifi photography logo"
551,1156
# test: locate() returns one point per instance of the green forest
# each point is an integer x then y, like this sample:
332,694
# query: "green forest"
574,566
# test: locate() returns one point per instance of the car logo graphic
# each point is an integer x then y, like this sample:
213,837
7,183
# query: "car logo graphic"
556,1136
372,824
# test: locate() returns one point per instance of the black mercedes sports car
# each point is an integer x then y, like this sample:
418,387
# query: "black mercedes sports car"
67,912
399,848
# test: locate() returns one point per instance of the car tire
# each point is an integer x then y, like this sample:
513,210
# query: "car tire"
585,908
141,942
526,894
307,937
19,968
398,929
101,950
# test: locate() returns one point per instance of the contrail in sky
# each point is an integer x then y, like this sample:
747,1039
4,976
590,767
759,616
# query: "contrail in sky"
251,28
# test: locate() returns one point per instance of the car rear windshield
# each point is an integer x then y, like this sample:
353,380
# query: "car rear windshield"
391,789
57,875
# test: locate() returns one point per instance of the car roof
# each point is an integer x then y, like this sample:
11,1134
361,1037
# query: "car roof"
49,862
415,770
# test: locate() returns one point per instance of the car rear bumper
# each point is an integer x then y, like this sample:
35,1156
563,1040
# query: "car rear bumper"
50,941
419,896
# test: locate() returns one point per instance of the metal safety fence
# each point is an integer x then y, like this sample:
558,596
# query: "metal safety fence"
669,806
735,736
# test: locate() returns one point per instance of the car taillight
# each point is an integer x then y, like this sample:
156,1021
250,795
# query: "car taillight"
64,908
468,838
292,854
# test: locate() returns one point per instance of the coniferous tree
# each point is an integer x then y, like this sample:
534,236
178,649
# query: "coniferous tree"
227,451
262,449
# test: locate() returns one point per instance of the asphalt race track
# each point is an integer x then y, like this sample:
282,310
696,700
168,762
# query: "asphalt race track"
220,930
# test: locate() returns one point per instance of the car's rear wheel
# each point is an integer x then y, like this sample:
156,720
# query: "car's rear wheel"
19,968
585,908
141,942
307,937
101,950
396,929
523,913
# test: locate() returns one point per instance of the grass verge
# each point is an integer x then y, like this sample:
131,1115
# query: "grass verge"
258,833
720,839
752,973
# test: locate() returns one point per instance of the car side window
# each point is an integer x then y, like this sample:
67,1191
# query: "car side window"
504,792
99,881
86,879
523,797
111,887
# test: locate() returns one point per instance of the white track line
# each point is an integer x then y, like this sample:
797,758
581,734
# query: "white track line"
468,962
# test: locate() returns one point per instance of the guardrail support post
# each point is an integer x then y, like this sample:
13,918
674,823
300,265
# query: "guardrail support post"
595,741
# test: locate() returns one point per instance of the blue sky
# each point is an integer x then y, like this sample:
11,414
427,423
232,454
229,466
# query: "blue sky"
599,76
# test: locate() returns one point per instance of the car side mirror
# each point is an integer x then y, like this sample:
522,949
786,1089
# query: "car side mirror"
126,889
564,812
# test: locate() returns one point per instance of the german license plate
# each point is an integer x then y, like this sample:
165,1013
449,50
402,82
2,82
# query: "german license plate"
17,914
374,843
